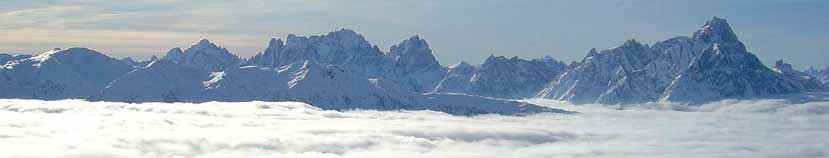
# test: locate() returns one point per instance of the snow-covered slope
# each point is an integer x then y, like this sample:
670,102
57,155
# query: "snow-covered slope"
323,85
502,77
161,81
8,57
710,65
205,56
59,74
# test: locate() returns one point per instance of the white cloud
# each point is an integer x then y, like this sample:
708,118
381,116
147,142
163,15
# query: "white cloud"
258,129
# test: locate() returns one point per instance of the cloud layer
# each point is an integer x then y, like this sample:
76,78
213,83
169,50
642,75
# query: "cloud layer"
75,128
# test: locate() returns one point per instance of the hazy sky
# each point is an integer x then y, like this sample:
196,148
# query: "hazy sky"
793,30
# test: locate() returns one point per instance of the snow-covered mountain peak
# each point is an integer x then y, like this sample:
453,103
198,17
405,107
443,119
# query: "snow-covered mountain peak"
631,43
204,42
460,64
204,55
76,52
174,54
501,77
414,54
716,30
59,74
346,35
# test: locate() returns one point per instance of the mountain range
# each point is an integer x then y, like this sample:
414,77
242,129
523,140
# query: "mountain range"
342,70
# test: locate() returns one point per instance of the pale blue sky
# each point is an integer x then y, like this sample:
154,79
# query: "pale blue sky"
793,30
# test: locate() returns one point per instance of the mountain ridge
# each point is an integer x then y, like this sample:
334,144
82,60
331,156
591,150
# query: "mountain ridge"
342,70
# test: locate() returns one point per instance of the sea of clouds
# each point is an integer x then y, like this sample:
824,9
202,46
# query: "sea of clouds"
75,128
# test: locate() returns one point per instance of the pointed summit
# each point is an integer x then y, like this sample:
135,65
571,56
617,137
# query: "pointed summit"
348,35
592,52
716,30
415,38
204,55
783,67
203,42
631,43
414,54
174,54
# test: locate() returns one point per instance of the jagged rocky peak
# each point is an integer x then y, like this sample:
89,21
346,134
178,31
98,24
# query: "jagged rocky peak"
414,54
592,52
717,30
783,67
343,46
631,55
711,65
174,54
348,37
275,44
631,43
204,55
271,56
206,46
341,37
502,77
